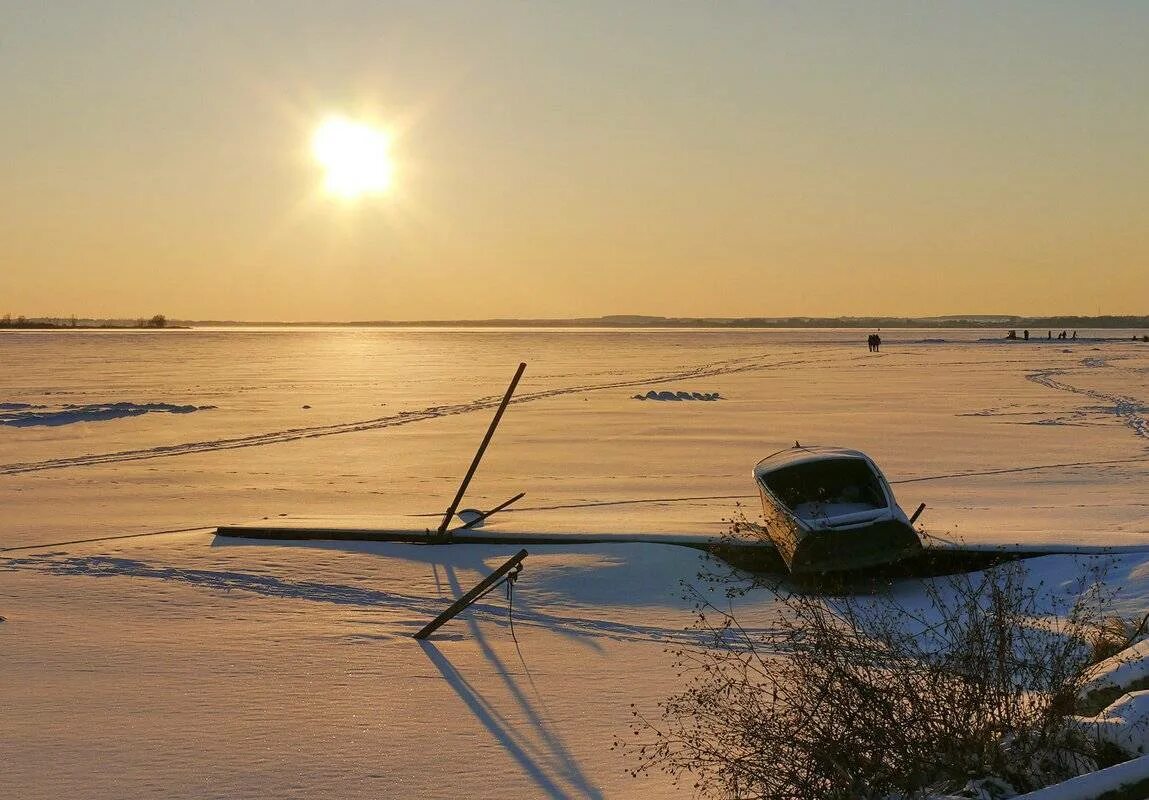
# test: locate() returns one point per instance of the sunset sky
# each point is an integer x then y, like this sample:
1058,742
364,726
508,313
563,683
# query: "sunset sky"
563,159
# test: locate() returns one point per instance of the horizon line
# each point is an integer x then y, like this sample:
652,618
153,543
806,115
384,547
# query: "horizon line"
625,320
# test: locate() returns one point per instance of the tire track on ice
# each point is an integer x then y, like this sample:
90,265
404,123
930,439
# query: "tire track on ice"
394,420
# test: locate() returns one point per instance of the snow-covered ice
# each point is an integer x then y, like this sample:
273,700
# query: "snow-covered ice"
182,665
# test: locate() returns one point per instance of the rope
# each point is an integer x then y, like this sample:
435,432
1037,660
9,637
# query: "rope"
512,576
104,538
509,580
938,538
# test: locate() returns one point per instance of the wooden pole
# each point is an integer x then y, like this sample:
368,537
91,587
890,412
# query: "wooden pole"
470,596
482,449
494,510
917,513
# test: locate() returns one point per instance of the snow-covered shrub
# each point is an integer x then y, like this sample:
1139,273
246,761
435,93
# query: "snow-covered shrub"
912,691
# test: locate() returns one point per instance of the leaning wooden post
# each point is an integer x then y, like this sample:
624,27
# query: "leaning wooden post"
471,596
917,513
482,448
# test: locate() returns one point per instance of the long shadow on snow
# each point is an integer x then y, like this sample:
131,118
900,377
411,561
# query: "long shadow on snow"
610,582
546,761
544,757
314,591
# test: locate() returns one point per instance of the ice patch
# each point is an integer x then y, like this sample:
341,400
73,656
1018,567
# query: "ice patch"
26,415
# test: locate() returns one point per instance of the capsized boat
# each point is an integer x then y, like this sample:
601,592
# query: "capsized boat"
829,509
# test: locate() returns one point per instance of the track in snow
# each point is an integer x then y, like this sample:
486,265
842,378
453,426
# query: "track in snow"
1128,409
394,420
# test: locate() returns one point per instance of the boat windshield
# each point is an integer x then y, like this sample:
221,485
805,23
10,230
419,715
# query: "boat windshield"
838,481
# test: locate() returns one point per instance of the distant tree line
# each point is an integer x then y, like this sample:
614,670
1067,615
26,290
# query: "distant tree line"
57,323
637,321
631,321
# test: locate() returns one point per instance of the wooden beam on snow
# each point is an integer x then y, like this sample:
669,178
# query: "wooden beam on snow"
472,595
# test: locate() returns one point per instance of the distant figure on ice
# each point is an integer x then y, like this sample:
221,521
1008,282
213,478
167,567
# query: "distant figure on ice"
1025,333
1049,334
1011,335
870,342
877,343
1075,334
1061,335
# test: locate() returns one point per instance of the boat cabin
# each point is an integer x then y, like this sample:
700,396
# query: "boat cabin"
833,490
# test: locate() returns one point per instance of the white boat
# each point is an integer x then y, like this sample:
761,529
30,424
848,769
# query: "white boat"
829,509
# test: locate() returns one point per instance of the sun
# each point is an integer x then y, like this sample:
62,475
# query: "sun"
354,156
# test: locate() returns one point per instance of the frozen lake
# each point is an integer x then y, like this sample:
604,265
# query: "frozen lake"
1001,439
181,666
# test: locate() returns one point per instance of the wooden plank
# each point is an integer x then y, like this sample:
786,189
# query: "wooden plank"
471,596
470,536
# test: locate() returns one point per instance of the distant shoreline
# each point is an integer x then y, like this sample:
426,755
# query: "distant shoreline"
632,322
51,326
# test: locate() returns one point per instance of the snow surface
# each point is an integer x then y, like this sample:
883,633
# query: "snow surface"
1124,668
1086,787
1125,723
186,665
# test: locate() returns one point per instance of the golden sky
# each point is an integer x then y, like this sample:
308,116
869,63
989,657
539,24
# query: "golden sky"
559,159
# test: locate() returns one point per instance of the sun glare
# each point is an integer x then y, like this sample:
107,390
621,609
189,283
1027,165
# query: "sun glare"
354,156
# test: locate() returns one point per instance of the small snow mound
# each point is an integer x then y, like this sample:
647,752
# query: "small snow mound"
1122,669
1125,723
678,396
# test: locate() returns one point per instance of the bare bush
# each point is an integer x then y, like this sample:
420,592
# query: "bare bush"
972,676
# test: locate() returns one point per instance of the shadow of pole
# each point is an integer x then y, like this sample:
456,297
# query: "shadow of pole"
547,768
546,759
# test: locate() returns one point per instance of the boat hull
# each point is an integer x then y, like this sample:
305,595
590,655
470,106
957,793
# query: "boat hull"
807,550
